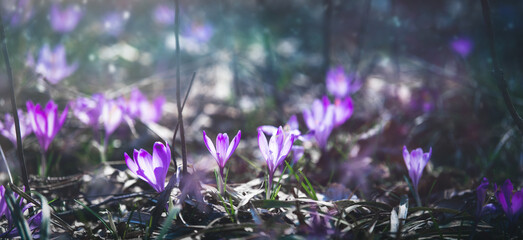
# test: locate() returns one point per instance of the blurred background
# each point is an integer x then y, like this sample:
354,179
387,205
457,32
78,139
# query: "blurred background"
425,71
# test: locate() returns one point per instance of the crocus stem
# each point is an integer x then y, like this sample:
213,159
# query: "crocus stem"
269,187
103,150
221,184
43,165
414,190
416,196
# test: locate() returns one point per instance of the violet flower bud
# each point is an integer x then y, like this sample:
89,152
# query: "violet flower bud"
416,162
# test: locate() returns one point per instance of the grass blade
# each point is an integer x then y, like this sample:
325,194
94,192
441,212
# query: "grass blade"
168,221
19,146
97,216
309,188
45,227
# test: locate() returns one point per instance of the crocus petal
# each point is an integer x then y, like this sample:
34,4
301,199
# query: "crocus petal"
145,161
343,111
480,194
276,144
267,129
285,149
161,156
318,111
222,143
131,164
51,123
264,146
504,202
210,146
235,142
517,203
297,153
425,159
293,122
309,119
406,157
160,164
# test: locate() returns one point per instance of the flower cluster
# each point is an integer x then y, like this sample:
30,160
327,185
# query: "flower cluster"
324,116
139,107
111,112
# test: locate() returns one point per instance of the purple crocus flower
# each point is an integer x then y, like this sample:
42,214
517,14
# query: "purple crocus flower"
462,46
138,106
200,32
223,150
151,169
34,222
7,128
88,110
64,20
4,209
112,115
163,14
512,203
276,150
339,84
53,65
17,12
416,162
320,120
290,128
45,122
481,192
343,110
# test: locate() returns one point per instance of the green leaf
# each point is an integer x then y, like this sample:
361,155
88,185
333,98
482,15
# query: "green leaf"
97,216
168,221
18,216
45,227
